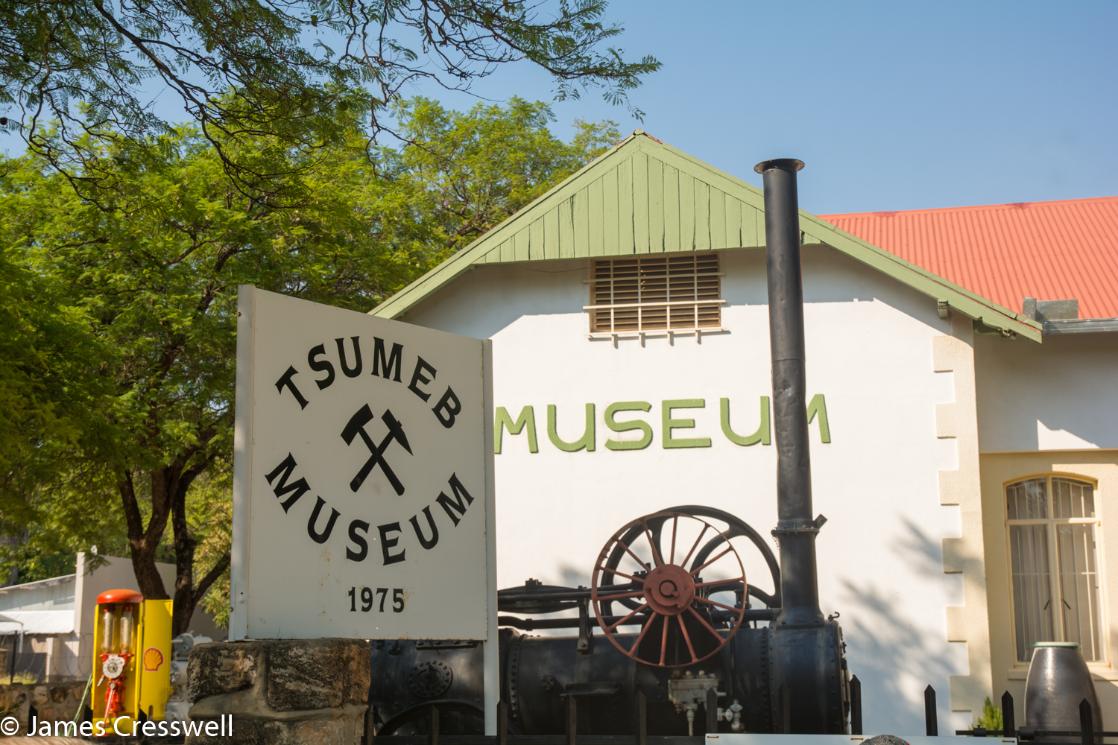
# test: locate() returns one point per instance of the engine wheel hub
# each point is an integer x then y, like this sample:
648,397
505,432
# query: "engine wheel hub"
669,589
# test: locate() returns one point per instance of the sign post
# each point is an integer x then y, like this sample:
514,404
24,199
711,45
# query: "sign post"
363,488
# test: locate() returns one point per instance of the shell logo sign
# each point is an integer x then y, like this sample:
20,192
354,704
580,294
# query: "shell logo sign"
153,658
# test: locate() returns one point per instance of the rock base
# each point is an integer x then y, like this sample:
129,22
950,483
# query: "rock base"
281,692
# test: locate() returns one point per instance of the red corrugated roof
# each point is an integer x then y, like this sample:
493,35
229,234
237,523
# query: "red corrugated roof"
1006,252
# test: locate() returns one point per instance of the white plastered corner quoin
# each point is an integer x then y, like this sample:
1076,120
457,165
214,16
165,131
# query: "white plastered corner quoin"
960,487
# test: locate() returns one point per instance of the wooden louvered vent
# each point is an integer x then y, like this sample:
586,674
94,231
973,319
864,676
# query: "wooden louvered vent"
656,294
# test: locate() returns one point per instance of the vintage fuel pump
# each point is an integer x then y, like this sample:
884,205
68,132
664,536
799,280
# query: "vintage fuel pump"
131,657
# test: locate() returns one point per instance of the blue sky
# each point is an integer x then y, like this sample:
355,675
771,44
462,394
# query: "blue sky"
893,105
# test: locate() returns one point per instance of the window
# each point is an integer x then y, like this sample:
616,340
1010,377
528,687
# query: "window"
662,294
1054,564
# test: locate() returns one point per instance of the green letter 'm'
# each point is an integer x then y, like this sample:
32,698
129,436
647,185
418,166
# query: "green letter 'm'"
503,421
818,407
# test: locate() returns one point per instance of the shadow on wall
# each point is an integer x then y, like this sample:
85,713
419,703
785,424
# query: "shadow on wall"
894,658
572,576
894,661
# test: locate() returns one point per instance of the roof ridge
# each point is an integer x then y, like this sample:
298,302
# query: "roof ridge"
971,207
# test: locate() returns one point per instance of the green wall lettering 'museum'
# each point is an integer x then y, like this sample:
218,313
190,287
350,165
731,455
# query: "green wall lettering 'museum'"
632,425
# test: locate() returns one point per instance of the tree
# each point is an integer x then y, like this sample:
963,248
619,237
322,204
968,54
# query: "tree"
248,71
48,381
150,275
475,169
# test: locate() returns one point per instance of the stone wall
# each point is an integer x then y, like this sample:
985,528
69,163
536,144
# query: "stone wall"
282,692
51,702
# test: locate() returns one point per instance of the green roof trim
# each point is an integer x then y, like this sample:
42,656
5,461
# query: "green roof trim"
644,196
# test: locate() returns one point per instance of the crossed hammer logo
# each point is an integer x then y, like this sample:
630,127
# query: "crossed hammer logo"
355,428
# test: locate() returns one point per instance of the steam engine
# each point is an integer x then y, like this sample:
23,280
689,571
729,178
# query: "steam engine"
683,640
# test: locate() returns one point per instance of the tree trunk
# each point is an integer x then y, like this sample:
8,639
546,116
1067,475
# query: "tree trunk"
147,574
183,609
185,544
169,486
143,540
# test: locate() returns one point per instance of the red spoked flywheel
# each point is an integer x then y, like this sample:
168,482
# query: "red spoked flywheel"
680,579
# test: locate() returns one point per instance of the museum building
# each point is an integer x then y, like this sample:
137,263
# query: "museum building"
962,371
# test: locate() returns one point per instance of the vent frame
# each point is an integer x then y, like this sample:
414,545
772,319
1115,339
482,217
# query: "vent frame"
655,295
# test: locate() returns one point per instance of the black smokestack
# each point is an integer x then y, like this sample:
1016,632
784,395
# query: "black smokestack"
795,529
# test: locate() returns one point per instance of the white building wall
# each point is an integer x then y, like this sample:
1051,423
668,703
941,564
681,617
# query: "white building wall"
1049,408
1059,395
46,595
869,352
110,573
71,653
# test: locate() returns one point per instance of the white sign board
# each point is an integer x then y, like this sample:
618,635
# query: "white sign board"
362,477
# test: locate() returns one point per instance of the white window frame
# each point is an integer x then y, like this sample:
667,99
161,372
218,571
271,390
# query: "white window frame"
662,305
1050,523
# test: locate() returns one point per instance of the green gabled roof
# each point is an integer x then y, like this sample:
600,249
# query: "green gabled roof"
644,196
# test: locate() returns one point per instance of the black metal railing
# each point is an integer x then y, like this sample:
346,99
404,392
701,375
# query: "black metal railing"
1085,735
571,735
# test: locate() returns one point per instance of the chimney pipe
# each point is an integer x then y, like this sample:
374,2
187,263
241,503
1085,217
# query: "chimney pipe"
795,529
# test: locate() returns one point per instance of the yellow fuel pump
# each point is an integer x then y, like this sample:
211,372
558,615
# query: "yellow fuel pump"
131,658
